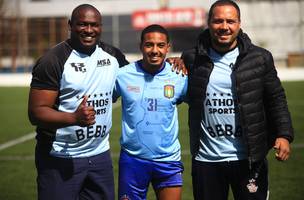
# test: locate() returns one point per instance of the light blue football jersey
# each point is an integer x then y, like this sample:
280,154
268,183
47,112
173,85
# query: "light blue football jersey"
221,138
149,111
97,83
75,75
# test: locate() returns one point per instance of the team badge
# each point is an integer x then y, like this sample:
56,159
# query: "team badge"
251,186
169,91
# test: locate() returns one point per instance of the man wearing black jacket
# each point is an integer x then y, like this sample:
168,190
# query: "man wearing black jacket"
237,110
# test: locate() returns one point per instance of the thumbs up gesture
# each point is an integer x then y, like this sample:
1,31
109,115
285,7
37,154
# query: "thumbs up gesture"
85,115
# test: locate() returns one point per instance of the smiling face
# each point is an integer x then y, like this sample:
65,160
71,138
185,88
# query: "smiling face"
85,27
154,48
224,26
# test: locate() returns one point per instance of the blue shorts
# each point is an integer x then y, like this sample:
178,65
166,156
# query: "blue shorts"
77,178
135,175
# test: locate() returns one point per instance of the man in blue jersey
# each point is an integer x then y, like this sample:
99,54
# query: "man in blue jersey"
237,110
150,150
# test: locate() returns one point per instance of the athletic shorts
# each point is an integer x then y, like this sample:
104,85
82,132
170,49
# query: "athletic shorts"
135,174
77,178
212,180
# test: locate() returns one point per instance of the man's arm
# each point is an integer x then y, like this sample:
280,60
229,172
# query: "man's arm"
177,65
277,111
282,149
42,113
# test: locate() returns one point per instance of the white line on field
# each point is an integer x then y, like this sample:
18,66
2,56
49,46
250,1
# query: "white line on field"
31,136
17,141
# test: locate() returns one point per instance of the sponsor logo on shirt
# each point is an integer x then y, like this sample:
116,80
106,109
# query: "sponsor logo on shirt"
135,89
79,67
103,62
169,91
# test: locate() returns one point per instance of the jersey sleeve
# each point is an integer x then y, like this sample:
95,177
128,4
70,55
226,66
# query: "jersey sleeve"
185,88
121,58
116,90
46,74
184,83
47,71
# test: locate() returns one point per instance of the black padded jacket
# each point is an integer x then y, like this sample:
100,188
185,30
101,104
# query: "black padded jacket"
261,99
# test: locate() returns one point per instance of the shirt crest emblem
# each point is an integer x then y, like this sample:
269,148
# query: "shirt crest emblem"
169,91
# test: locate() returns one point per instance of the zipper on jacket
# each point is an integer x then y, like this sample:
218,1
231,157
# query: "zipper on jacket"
239,106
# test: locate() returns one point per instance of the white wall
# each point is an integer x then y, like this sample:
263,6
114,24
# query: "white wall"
275,26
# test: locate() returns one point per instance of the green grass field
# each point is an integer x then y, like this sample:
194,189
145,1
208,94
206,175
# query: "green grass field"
18,174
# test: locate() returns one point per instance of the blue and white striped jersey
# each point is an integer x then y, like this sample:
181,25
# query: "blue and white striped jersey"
149,111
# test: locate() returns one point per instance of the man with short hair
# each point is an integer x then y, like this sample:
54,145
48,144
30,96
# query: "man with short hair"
150,149
237,110
70,101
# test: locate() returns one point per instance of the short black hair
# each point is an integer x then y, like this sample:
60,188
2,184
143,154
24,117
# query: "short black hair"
223,3
76,10
154,28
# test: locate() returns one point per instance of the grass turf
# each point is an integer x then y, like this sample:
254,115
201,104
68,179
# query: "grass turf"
18,174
